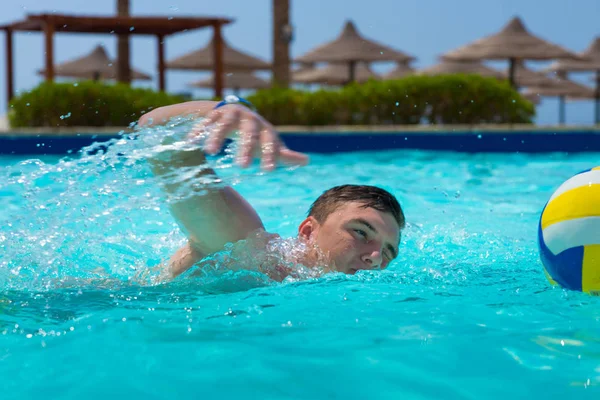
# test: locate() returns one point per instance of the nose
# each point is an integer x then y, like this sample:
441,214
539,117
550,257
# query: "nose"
372,260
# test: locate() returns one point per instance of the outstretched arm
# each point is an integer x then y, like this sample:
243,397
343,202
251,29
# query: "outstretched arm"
215,216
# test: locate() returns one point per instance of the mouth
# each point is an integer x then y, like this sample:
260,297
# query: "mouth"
352,271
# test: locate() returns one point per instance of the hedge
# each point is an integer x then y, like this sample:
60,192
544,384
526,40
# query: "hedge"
442,99
86,103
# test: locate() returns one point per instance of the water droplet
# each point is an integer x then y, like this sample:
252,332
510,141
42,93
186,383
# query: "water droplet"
397,104
27,104
170,18
76,84
479,136
457,194
131,29
174,8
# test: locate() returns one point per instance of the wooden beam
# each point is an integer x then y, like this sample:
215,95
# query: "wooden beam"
161,63
9,68
49,36
218,58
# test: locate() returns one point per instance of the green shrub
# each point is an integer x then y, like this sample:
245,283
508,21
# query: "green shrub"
84,103
444,99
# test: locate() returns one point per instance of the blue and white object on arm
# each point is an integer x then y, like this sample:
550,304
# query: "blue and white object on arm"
233,99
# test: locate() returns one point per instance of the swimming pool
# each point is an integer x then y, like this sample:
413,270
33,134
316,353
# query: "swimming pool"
464,313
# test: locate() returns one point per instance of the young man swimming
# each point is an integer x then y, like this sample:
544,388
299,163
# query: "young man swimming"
349,227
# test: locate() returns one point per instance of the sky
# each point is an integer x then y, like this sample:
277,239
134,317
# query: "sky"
423,28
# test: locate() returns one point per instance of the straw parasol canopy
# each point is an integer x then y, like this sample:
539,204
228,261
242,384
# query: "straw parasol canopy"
561,88
461,67
590,60
401,70
335,74
513,43
235,81
523,76
203,59
590,63
95,65
532,97
350,48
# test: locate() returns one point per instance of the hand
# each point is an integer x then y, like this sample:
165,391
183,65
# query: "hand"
257,137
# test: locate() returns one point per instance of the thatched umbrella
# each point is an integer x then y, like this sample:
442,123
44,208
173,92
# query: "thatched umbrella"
335,74
95,65
350,48
513,43
401,70
235,81
524,76
590,63
561,88
203,59
461,67
532,97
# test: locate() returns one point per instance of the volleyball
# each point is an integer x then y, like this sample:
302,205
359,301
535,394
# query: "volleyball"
569,233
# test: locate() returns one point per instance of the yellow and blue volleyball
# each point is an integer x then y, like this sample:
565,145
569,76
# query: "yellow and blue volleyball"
569,233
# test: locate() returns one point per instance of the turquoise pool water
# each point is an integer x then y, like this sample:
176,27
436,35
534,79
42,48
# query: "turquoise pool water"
464,313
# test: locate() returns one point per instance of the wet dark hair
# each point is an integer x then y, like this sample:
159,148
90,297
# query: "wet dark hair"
369,196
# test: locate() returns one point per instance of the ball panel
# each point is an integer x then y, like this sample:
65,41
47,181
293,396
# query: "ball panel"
580,202
565,267
572,233
591,269
581,179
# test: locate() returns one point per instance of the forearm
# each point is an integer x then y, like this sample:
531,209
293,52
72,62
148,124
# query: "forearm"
209,214
162,115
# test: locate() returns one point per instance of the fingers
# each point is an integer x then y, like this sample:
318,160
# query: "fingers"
248,141
224,125
269,146
293,157
254,131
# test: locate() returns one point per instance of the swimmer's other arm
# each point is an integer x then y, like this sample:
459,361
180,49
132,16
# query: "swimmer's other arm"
218,215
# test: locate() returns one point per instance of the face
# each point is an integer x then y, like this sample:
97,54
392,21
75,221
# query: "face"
354,238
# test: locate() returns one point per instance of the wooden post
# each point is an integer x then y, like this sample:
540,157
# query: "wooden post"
218,60
282,36
597,99
161,62
561,110
123,52
512,64
49,36
9,68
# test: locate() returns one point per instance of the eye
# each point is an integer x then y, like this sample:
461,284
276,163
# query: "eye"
361,233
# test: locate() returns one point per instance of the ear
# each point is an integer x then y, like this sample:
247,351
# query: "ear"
308,228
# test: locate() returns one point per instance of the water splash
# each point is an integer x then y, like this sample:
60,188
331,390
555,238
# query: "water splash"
100,213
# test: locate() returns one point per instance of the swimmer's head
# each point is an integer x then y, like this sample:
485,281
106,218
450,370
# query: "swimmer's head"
355,226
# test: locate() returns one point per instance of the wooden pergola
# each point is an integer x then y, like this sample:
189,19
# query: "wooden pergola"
161,27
